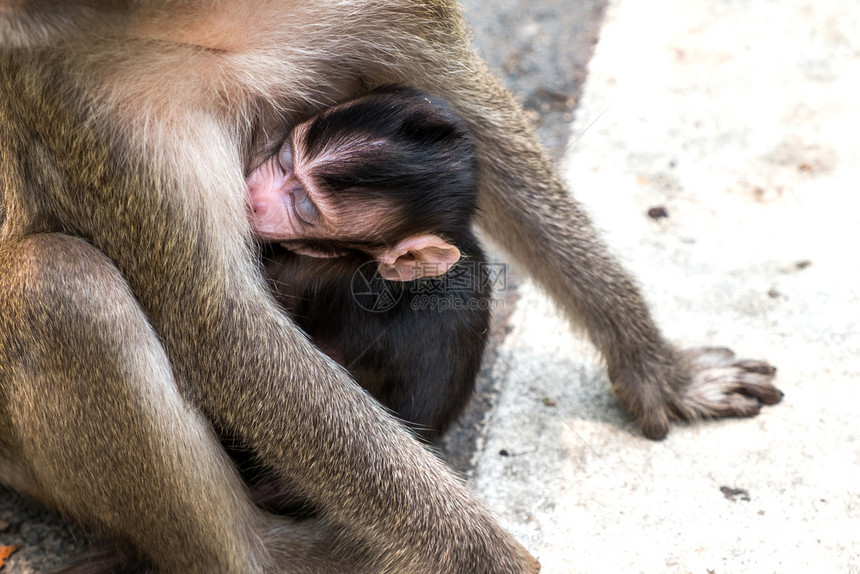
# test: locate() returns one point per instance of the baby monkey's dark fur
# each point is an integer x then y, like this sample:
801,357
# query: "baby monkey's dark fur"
417,345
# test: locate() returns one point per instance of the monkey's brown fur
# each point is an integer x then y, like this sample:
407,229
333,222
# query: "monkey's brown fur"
133,317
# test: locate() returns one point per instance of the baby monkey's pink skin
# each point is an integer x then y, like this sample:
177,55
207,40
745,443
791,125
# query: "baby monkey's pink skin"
278,200
270,201
286,206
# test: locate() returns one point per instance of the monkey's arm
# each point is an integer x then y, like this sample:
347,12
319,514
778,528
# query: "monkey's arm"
528,210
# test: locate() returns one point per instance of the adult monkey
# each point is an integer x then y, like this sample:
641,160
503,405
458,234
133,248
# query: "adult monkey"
133,318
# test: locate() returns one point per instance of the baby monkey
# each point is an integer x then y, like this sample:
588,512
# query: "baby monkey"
366,211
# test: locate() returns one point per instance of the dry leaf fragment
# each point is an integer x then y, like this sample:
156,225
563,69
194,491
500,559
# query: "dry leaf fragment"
6,552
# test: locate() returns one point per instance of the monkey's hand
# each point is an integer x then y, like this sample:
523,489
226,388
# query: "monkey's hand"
694,384
721,385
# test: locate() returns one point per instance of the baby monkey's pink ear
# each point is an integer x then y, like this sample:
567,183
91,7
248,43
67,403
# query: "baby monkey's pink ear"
416,257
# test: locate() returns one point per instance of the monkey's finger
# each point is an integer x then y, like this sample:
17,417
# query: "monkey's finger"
753,366
736,405
761,388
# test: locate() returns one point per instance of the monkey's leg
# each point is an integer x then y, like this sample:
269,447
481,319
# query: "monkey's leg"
526,208
94,425
396,506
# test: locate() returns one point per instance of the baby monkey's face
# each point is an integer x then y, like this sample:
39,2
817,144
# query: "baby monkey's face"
291,205
288,204
281,197
391,175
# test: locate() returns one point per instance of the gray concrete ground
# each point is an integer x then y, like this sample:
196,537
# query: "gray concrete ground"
737,118
740,120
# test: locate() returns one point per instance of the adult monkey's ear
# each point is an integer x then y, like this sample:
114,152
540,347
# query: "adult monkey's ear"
419,256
